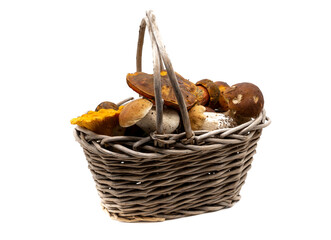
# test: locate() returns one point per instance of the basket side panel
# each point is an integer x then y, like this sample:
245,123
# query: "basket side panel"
138,189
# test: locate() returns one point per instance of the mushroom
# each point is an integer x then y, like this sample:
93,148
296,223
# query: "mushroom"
142,113
245,100
104,121
213,92
223,104
197,118
202,120
106,105
202,95
170,121
134,111
143,84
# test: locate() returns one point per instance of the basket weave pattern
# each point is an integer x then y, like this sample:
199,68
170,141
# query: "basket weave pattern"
155,184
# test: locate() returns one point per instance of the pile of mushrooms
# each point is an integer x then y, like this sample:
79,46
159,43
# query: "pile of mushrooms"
211,106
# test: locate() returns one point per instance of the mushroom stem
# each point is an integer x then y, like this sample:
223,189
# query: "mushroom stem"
170,121
202,120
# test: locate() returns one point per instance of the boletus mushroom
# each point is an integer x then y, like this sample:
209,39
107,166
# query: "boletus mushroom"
245,100
202,96
213,92
142,113
143,84
106,105
223,104
202,120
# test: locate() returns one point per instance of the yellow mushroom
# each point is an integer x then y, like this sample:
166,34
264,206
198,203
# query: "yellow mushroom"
104,121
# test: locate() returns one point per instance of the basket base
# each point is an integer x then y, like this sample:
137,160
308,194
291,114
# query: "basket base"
133,219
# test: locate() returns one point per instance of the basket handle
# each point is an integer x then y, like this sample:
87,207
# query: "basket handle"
160,57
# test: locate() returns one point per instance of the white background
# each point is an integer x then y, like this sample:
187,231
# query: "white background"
59,59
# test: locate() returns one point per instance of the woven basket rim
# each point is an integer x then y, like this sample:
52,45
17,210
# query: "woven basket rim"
172,144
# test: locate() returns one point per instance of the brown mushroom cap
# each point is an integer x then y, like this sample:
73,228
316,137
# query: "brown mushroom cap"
245,99
202,95
222,101
214,92
134,111
106,105
143,84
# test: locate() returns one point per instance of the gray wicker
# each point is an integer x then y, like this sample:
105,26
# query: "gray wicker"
168,176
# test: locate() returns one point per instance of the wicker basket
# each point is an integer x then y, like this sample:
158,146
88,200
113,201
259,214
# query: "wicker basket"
168,176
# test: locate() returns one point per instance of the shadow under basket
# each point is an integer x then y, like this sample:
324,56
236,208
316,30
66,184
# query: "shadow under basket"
168,176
